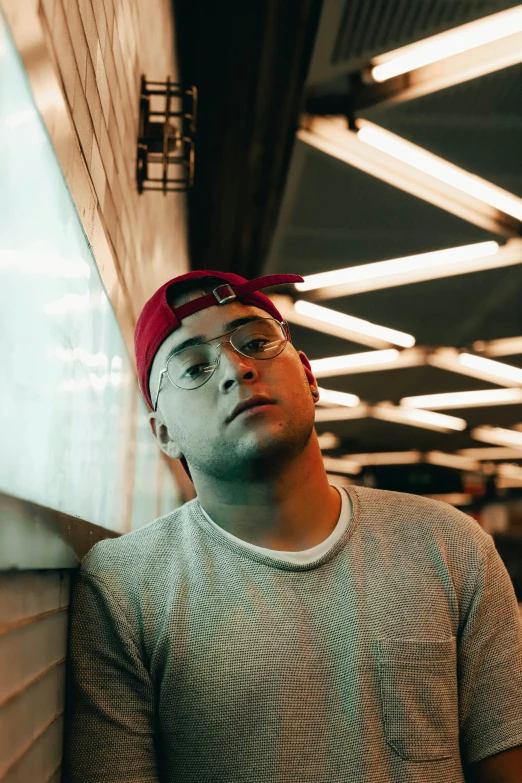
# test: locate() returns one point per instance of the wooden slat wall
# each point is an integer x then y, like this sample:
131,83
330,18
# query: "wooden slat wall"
33,640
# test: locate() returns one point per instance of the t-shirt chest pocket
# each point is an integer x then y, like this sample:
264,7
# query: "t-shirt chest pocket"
418,696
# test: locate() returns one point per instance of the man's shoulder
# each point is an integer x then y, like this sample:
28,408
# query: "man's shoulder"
402,510
136,551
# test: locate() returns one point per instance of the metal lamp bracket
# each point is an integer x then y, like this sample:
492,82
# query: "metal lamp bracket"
167,127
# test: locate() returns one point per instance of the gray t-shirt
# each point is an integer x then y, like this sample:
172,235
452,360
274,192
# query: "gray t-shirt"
391,653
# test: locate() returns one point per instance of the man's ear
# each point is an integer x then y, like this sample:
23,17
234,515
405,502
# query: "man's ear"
163,437
309,374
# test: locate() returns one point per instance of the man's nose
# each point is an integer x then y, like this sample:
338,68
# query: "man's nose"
232,358
229,352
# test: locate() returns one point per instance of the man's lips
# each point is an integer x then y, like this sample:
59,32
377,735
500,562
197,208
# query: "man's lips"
254,408
255,401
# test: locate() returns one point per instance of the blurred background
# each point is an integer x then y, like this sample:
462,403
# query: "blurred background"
372,146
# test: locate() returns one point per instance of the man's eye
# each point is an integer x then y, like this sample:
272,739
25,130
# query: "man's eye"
260,340
194,367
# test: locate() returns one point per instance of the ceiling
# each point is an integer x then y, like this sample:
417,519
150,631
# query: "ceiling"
249,63
334,216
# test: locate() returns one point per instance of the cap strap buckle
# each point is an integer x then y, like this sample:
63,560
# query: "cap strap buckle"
226,298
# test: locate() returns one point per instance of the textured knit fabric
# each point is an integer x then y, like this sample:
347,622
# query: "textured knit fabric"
393,657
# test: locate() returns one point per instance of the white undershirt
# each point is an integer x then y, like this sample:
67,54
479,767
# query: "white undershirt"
307,555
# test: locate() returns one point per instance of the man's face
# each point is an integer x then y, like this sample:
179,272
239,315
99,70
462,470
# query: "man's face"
193,423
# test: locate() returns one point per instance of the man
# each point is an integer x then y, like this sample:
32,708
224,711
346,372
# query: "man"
276,628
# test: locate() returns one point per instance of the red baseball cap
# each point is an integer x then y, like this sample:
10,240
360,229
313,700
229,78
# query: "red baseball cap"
158,319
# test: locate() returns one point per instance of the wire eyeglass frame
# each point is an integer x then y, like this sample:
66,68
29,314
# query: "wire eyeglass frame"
164,371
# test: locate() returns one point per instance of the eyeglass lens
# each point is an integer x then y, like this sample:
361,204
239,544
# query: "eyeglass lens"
194,365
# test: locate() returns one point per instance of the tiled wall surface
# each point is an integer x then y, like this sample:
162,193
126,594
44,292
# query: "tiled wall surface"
101,48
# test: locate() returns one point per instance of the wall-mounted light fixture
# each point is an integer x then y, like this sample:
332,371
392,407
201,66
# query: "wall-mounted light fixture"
166,133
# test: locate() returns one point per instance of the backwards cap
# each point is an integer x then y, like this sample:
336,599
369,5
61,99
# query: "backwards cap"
158,319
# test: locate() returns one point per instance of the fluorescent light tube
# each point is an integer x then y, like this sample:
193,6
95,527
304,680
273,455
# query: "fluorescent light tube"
418,418
498,436
338,398
499,452
506,483
507,346
369,361
341,413
447,44
322,319
328,440
352,325
408,269
387,458
353,362
510,471
501,370
440,169
393,160
341,465
508,475
494,372
452,461
469,399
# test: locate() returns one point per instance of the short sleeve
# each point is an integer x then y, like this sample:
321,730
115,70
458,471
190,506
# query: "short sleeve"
490,663
109,715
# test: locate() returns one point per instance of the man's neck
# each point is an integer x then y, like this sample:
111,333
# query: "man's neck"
297,512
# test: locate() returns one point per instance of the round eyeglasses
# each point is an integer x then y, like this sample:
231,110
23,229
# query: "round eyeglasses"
193,366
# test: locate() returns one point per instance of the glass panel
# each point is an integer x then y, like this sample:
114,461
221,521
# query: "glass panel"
155,492
67,385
